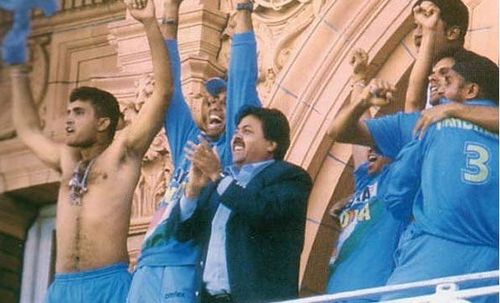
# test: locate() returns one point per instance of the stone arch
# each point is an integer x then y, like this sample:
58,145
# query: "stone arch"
314,85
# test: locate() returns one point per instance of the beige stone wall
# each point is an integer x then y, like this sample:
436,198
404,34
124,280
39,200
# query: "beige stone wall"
304,48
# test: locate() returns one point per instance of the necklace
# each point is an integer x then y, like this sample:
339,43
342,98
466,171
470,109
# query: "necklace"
78,183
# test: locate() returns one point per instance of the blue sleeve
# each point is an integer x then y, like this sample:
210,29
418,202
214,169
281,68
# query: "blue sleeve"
242,79
403,180
390,133
179,123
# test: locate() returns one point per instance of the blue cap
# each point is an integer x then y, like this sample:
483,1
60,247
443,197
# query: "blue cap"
215,85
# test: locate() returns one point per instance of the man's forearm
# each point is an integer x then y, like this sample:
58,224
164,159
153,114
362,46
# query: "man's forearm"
346,126
170,21
417,84
161,63
484,116
25,115
149,121
27,122
243,19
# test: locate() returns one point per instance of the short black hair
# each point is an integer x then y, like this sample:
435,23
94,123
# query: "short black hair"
478,69
103,102
453,13
275,127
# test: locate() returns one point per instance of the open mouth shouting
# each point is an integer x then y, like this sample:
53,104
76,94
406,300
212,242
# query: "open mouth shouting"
238,144
372,157
215,122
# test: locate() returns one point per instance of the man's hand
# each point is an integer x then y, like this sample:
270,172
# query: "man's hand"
359,62
379,93
204,158
141,10
431,116
428,15
196,181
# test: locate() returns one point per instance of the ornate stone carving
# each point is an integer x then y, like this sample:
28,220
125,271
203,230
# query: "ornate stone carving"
71,5
280,4
156,163
274,4
278,26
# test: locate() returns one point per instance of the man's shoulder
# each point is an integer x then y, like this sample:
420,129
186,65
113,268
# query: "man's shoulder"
284,168
456,126
399,121
400,115
69,158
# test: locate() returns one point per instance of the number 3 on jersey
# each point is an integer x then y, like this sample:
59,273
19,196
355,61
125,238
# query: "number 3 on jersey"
476,170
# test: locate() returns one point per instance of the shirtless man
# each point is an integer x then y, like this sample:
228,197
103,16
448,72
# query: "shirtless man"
98,174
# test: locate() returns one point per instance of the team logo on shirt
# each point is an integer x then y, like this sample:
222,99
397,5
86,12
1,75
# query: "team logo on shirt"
358,209
172,194
357,214
355,211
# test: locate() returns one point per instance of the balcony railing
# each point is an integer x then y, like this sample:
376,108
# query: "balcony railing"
441,290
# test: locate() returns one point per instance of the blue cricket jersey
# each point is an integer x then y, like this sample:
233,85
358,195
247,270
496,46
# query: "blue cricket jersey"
452,173
391,133
367,227
459,183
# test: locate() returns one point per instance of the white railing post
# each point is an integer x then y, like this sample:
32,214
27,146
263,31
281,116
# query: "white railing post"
447,293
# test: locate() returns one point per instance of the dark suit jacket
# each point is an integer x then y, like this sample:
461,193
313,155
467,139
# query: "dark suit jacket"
264,233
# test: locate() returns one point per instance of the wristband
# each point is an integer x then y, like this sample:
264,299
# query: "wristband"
245,6
168,21
19,72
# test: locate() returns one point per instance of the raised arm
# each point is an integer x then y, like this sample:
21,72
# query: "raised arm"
178,122
141,132
27,122
243,70
348,127
428,23
359,62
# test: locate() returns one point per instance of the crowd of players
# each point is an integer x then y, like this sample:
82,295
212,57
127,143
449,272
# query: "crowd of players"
230,227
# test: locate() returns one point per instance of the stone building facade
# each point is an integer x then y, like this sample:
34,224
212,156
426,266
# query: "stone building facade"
304,48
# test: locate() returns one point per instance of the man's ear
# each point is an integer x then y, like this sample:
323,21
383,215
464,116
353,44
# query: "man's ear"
472,90
103,124
453,33
272,146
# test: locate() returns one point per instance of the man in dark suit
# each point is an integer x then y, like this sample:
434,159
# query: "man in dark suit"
251,221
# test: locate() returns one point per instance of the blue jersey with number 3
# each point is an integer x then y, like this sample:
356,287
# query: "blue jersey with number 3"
456,166
459,183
